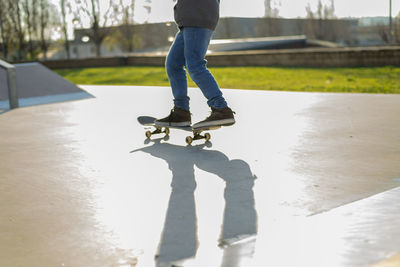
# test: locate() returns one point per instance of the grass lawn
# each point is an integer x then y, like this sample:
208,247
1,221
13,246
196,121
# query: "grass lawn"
356,80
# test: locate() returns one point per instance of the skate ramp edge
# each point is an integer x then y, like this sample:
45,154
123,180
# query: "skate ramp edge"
38,85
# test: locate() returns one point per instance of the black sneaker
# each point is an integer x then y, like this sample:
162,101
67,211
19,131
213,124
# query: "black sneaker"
219,116
178,117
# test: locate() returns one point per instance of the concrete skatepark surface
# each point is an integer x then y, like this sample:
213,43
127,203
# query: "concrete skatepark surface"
302,179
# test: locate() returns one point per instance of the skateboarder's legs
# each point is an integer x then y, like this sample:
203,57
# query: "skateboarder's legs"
175,66
189,49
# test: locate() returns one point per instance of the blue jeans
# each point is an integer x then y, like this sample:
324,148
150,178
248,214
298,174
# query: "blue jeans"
189,49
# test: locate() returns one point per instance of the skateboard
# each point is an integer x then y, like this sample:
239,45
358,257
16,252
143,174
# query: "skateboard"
197,132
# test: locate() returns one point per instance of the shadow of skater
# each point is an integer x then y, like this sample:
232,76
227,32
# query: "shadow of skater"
179,238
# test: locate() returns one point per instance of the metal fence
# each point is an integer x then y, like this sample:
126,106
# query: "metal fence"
11,83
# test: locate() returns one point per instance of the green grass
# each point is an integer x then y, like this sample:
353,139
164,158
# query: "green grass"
355,80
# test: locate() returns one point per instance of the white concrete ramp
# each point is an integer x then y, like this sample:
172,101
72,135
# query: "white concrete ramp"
302,179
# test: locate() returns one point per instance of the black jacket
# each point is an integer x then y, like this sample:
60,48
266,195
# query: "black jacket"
197,13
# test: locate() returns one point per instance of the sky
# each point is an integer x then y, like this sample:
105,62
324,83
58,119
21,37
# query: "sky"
162,9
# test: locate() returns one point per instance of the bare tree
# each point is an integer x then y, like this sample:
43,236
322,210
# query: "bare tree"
2,35
271,25
16,25
125,37
329,11
147,6
271,10
98,20
26,27
314,25
64,7
48,20
8,33
319,23
30,13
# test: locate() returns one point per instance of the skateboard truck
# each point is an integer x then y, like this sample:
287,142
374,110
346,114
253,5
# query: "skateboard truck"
197,134
158,130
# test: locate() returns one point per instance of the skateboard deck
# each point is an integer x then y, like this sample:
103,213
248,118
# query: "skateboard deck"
149,121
